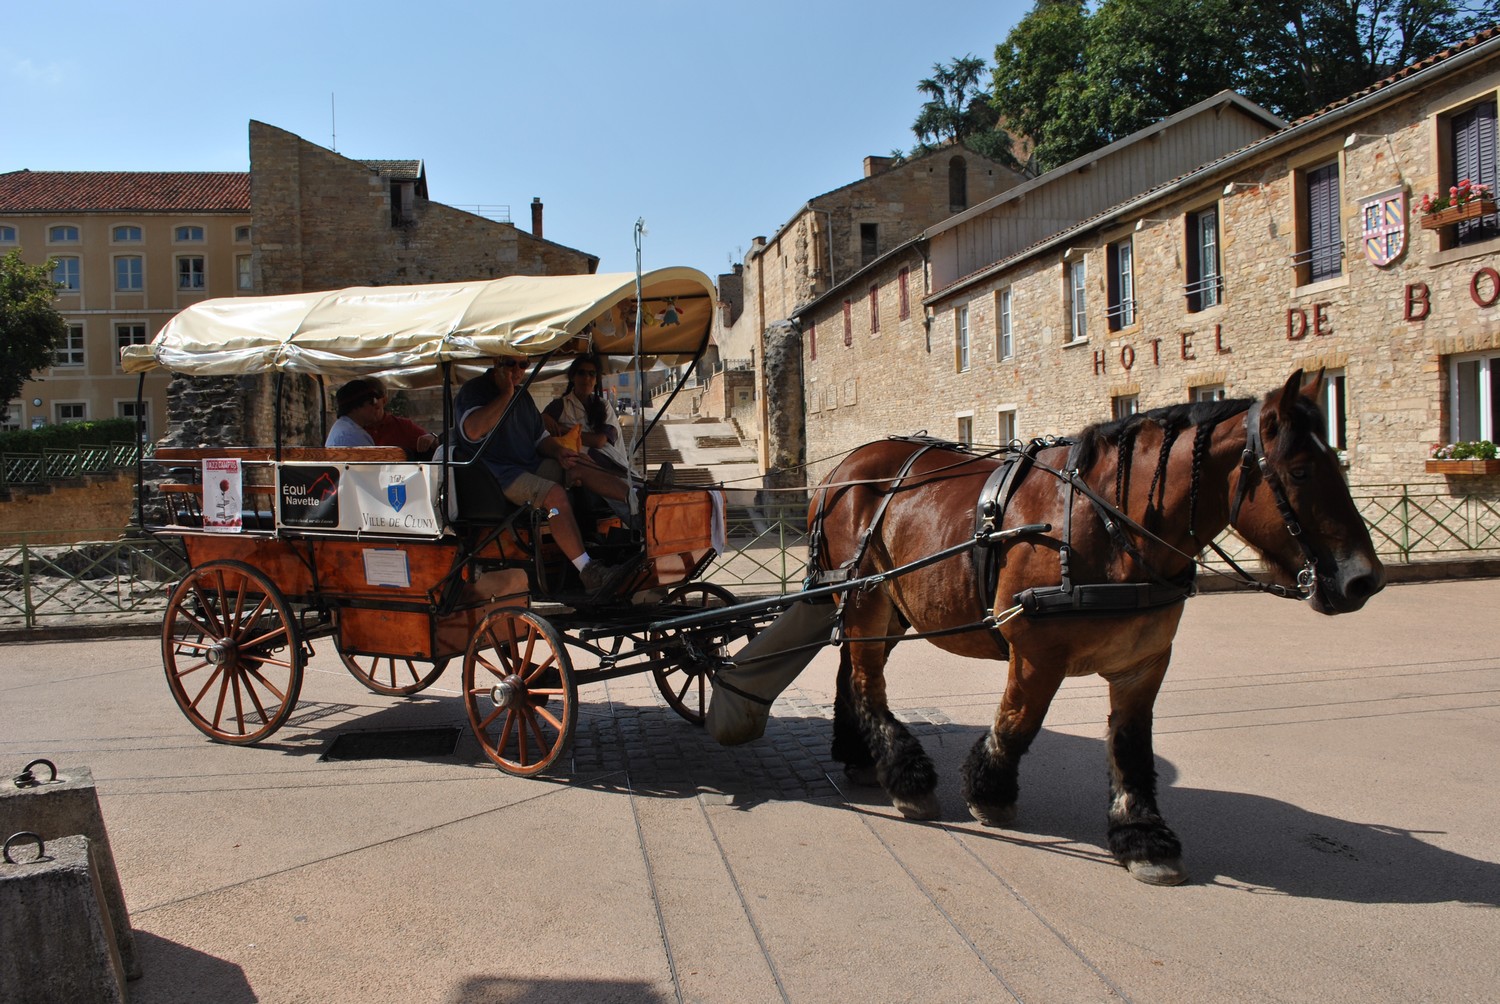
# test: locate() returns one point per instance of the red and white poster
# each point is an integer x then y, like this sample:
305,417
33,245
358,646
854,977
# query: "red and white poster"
223,495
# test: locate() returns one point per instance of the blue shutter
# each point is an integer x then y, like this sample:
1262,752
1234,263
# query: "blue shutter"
1325,251
1474,158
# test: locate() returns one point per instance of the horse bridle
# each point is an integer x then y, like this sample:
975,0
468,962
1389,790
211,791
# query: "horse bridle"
1254,458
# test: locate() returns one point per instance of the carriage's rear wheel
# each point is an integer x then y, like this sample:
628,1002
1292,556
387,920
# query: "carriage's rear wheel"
519,691
393,675
231,652
684,684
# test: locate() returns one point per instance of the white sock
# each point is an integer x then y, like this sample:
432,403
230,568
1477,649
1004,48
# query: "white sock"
581,562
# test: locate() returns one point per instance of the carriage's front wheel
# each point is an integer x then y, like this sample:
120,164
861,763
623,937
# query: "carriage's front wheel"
392,675
230,649
684,683
519,691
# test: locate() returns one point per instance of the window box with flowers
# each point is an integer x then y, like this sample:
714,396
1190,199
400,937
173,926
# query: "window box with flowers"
1480,457
1464,201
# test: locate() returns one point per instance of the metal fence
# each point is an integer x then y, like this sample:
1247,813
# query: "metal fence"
53,465
129,578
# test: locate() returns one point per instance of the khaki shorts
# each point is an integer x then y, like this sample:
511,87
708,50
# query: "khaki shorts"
531,489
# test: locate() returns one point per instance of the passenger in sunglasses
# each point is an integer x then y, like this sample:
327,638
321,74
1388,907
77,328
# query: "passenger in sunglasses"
530,465
583,406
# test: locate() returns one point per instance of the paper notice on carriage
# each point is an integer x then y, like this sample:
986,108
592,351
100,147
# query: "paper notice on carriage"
223,495
387,566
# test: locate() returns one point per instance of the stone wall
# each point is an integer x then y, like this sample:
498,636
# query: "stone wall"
68,513
1389,329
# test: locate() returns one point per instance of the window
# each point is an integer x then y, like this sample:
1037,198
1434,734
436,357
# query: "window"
70,411
7,235
1331,402
961,338
190,273
129,333
126,235
1005,426
966,429
1206,392
188,235
901,280
1472,156
958,185
128,274
1204,283
848,323
69,351
1121,285
1474,397
1125,405
869,242
62,235
241,235
11,421
129,409
243,277
1005,343
874,310
65,274
1321,254
1077,272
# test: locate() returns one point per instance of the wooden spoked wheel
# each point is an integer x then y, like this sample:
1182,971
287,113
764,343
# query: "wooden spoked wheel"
685,683
519,691
393,675
230,648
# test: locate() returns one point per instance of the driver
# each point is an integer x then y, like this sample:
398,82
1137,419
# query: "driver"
531,466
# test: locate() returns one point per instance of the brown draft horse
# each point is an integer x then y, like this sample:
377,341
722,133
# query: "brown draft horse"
1179,475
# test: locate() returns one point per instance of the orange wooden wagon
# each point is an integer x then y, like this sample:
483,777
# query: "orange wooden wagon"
406,565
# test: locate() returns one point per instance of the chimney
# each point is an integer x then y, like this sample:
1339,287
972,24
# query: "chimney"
877,165
536,217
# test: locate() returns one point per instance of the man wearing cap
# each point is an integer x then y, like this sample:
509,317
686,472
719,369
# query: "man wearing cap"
528,464
359,406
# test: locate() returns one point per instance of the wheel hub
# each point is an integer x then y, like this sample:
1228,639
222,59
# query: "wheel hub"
509,692
221,654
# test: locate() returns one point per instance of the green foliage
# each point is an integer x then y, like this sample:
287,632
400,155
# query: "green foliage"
68,436
30,326
1075,76
1479,449
958,110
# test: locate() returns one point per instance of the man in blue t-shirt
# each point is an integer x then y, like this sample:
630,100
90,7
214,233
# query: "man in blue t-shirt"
530,466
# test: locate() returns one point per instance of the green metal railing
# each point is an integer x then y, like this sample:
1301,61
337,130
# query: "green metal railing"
129,578
53,465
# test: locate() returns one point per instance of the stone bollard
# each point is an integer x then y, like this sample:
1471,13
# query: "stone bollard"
63,805
59,941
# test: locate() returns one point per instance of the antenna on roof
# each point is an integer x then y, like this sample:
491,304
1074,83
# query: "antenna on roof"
333,123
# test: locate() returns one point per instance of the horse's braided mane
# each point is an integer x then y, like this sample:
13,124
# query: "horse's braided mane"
1173,419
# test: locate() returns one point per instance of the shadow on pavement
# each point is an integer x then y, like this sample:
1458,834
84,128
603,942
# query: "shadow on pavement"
167,965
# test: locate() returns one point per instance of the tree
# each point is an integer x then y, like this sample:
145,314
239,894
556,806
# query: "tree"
958,110
1075,79
30,326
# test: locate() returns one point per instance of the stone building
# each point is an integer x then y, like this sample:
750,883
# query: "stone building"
132,249
1303,248
835,235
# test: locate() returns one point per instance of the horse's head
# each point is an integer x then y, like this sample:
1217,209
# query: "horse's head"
1293,506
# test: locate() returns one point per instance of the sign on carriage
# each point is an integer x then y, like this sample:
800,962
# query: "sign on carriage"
223,495
381,499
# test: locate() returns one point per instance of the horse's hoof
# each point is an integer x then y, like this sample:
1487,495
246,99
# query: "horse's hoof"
920,807
1169,872
994,815
864,776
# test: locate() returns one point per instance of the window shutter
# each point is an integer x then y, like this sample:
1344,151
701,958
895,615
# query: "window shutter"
1113,281
1474,136
1323,222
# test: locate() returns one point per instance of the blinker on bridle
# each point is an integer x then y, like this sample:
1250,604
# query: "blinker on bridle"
1254,458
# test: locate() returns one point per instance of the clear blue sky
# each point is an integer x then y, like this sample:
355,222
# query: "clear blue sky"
712,121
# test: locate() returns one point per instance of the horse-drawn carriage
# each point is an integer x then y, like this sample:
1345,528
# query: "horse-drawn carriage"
1059,556
404,565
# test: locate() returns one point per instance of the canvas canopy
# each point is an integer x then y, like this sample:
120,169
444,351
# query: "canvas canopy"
405,333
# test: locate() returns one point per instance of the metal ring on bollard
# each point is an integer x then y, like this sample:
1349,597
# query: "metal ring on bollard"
26,779
41,848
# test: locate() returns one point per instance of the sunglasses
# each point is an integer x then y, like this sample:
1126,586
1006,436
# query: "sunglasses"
587,373
507,364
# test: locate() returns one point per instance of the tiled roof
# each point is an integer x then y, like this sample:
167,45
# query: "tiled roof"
401,170
125,191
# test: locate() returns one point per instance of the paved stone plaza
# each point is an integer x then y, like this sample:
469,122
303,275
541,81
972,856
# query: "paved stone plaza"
1332,779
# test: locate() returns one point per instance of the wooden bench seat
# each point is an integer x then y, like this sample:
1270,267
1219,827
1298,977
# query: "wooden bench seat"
332,454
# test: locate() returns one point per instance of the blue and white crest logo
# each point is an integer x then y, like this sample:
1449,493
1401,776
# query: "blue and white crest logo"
396,494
